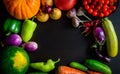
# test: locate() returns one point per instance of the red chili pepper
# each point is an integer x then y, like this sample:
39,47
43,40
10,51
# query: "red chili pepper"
86,30
88,24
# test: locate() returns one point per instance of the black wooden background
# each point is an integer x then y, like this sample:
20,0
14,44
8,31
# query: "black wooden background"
58,39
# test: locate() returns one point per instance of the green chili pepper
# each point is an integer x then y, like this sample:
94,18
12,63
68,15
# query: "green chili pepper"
11,25
44,66
28,29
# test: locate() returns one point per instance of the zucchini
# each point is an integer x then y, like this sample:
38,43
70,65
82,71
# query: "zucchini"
111,37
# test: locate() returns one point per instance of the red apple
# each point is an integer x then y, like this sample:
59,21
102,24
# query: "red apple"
65,4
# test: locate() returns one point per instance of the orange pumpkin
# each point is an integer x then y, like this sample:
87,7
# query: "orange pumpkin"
22,9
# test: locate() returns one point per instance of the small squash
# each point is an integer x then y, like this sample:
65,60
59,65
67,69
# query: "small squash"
22,9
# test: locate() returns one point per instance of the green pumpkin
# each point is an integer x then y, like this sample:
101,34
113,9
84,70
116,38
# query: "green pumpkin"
14,60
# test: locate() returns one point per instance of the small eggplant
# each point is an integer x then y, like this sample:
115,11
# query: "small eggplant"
13,39
99,35
97,54
30,46
101,57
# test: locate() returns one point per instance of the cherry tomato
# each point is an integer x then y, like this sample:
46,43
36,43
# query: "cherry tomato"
106,13
89,1
100,8
113,7
110,11
101,1
107,2
90,10
115,0
85,2
96,0
92,6
104,9
94,13
94,3
87,7
101,15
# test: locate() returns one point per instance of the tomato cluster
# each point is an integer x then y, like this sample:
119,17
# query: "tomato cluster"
100,8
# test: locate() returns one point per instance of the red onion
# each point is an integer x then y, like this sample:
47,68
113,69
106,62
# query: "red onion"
46,8
30,46
13,39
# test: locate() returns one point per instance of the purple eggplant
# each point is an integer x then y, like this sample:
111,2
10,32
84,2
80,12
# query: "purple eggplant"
30,46
13,40
97,54
101,57
99,35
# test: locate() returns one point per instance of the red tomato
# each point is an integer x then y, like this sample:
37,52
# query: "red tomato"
65,4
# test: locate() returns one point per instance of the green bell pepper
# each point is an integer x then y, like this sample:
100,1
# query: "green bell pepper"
28,29
44,66
11,25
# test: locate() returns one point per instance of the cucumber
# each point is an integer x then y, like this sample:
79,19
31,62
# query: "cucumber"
78,66
98,66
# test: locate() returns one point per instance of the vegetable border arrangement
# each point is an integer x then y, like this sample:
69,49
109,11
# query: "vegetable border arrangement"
91,16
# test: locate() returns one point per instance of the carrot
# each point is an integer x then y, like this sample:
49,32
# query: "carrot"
93,72
69,70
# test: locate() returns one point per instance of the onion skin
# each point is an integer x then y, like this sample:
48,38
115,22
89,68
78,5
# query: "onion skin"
13,40
99,35
30,46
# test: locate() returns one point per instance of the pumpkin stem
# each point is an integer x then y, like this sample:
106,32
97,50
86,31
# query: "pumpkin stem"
33,18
